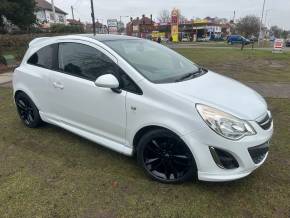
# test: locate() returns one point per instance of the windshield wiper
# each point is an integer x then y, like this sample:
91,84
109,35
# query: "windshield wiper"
191,75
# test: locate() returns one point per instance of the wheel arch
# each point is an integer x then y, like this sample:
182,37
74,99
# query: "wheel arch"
145,129
30,95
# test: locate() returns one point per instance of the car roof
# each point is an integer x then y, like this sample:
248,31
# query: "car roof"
107,37
98,37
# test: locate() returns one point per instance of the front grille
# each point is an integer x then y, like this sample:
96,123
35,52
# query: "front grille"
259,152
265,122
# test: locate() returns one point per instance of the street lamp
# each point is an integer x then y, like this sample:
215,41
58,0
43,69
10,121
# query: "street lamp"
121,20
261,23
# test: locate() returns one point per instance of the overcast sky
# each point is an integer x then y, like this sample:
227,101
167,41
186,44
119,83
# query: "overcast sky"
278,11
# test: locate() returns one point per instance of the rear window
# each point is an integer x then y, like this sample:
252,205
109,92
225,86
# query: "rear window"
46,57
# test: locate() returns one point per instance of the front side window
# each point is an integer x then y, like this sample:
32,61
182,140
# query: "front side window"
46,57
89,63
84,61
155,62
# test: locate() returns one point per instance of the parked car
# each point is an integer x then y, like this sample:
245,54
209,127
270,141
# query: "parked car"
287,43
141,98
204,39
185,39
237,39
216,37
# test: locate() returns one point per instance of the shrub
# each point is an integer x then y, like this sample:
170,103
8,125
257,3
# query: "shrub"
61,28
2,60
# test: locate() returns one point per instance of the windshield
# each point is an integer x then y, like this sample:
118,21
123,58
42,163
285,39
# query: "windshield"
155,62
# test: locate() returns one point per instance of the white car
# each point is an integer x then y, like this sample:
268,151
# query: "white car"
139,97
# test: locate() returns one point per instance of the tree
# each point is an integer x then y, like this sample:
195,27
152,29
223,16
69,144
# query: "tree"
164,16
276,31
19,12
249,25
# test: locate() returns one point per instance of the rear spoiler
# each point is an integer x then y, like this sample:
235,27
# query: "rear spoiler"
37,40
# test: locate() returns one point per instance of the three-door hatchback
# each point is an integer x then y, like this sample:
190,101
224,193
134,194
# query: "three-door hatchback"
140,98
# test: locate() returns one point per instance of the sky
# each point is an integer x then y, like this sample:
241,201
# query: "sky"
277,12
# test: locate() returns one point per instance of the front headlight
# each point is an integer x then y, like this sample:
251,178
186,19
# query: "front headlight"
225,124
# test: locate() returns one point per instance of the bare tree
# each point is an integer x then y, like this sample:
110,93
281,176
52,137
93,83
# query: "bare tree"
248,26
164,16
182,18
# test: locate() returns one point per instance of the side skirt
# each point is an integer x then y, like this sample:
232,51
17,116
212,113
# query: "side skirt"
92,137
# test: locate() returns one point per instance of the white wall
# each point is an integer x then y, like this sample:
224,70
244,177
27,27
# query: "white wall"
46,15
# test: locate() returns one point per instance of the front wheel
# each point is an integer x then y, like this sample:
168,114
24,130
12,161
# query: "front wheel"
165,157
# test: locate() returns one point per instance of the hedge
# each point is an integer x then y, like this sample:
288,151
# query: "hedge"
61,28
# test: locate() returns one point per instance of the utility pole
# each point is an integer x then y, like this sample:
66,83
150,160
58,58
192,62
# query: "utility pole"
234,17
266,17
261,23
93,17
72,12
53,10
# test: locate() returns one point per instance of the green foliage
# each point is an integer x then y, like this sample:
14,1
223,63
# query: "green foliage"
61,28
249,25
2,60
19,12
279,32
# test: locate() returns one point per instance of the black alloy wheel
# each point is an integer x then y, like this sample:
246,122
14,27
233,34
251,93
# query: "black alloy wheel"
27,111
165,157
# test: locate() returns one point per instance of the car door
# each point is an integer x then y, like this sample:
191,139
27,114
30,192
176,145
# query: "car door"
78,102
38,68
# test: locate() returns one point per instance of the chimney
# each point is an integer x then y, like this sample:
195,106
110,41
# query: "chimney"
143,18
151,18
131,19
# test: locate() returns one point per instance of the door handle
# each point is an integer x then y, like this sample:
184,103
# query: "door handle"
57,85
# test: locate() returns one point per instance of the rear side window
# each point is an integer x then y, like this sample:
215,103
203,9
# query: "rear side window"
46,57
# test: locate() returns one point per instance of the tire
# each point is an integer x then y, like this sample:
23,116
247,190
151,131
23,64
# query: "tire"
27,111
165,157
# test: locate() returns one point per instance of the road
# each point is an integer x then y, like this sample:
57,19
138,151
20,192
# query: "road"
215,46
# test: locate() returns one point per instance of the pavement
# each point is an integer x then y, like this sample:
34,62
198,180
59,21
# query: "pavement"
272,90
6,79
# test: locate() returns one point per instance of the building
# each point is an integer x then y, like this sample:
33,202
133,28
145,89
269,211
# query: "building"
194,29
140,27
44,13
74,22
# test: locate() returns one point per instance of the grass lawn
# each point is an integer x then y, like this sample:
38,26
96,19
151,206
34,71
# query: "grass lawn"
49,172
247,65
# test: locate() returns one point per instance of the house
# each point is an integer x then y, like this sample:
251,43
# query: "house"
100,28
74,22
140,27
44,13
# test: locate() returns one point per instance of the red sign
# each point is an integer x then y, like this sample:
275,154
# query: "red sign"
278,43
174,19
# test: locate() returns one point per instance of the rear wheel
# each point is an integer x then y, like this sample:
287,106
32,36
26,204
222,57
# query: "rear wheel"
27,110
165,157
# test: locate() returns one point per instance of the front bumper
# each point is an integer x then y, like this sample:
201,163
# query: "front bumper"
208,170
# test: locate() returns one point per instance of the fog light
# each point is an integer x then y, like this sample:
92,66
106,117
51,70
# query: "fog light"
223,159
